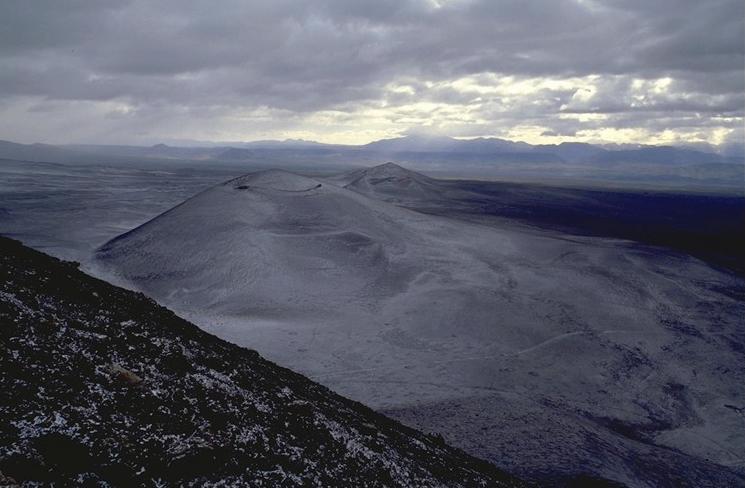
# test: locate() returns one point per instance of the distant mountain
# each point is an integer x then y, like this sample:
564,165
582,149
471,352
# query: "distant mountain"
284,144
157,151
570,152
574,151
101,386
412,143
415,146
447,149
418,143
234,153
661,155
37,152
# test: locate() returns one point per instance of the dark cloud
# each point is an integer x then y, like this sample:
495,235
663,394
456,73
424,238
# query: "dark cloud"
300,57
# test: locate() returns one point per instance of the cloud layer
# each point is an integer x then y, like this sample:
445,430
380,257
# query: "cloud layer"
346,71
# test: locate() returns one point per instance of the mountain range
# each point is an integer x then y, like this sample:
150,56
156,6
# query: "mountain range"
486,148
701,168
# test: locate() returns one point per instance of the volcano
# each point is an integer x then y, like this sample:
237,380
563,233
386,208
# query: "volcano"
583,354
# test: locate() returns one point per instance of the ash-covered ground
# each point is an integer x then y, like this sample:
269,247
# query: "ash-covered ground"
501,316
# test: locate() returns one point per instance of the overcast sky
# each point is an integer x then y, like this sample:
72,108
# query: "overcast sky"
99,71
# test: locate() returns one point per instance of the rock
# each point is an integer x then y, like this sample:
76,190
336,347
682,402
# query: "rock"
125,376
7,482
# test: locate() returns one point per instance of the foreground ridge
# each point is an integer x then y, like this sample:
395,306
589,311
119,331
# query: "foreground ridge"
98,383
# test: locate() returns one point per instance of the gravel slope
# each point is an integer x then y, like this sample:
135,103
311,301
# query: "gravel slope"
99,384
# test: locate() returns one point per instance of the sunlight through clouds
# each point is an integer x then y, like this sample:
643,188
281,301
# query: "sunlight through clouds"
343,72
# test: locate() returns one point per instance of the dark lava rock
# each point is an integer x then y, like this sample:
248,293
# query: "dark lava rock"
101,386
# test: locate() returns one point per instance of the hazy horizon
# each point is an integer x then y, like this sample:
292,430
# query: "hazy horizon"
735,148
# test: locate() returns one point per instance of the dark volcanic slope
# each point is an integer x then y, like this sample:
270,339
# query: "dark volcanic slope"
99,383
